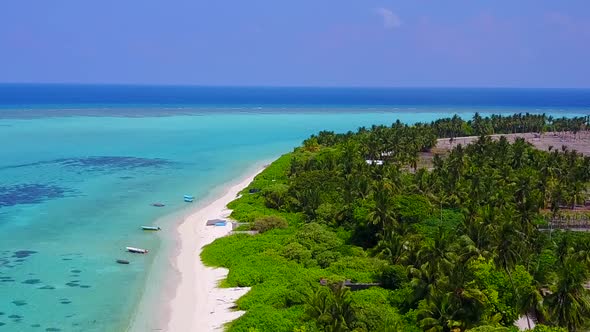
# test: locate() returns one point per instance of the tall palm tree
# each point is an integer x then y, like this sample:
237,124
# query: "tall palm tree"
530,303
331,307
569,303
382,213
452,311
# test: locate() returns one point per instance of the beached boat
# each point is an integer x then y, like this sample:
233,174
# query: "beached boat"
150,228
216,222
189,198
137,250
122,261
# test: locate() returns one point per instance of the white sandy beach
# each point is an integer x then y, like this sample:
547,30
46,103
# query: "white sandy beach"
199,305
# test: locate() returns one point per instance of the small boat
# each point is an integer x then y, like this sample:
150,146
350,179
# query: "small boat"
150,228
157,204
216,222
189,198
122,261
137,250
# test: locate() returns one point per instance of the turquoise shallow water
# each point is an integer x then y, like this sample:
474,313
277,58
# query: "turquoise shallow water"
74,191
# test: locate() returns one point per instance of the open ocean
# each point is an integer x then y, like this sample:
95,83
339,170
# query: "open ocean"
80,165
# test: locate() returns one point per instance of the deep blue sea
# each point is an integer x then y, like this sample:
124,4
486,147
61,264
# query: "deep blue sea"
80,165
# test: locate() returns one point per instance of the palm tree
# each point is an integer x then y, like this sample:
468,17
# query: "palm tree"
331,307
530,303
480,228
508,244
569,303
395,247
452,311
382,213
437,315
438,254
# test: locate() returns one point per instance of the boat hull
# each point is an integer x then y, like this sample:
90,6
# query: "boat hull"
137,250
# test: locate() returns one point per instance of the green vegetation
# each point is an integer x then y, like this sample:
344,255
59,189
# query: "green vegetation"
457,247
511,124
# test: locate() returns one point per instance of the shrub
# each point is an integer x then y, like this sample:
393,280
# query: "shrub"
325,258
267,223
489,328
374,313
275,196
318,238
266,318
544,328
327,213
358,269
296,252
393,277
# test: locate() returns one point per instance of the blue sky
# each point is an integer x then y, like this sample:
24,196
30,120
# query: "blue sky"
523,43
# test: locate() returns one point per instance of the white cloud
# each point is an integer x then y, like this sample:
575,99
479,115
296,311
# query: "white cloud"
390,19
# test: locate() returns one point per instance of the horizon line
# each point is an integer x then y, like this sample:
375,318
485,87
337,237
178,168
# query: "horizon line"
287,86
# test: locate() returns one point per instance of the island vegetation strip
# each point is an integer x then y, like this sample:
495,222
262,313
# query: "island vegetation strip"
453,244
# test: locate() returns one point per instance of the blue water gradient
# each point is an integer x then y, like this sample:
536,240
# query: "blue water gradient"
187,98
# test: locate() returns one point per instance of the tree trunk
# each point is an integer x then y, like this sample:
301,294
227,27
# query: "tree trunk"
528,321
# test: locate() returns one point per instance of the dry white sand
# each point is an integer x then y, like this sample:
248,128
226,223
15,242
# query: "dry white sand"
199,305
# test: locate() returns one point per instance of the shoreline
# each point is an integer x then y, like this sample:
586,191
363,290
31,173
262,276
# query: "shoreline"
191,299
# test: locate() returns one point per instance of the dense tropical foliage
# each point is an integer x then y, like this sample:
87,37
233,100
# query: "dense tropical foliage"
455,246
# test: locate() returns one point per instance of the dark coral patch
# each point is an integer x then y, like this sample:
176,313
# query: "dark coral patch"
112,162
72,284
65,302
76,271
35,325
52,329
85,286
100,163
20,253
15,316
2,324
47,287
30,193
19,303
66,259
32,281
